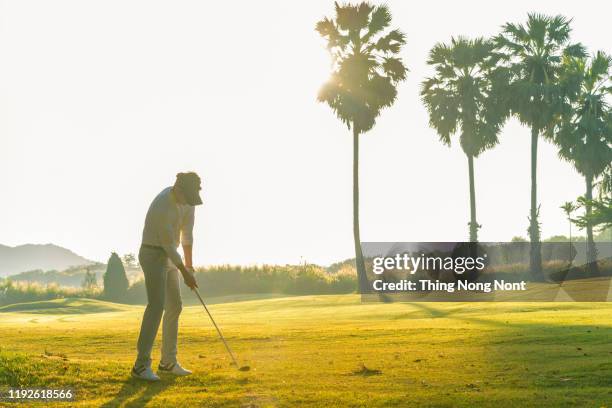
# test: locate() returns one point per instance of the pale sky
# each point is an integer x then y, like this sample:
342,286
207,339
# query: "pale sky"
103,102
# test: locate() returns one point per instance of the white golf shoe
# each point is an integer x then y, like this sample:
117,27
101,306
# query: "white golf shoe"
144,373
173,368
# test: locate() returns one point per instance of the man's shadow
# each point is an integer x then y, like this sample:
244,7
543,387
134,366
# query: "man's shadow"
143,392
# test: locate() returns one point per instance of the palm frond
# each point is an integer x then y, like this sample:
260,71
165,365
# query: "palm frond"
575,50
394,69
390,43
559,29
328,30
538,28
439,54
379,20
353,17
514,33
514,47
600,65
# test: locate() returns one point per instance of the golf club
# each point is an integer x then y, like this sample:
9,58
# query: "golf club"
243,368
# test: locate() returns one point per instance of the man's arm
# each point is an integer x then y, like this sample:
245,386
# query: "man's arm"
188,253
168,245
187,236
175,257
187,242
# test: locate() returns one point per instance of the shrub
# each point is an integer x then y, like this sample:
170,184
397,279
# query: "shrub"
115,280
19,292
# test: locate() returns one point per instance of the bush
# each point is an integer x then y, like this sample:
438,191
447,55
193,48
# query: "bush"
19,292
136,293
115,280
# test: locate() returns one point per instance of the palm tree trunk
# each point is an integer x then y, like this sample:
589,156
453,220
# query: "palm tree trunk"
361,271
535,254
473,223
569,219
591,248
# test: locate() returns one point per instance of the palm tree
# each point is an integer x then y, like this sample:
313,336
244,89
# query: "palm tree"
464,97
583,131
569,207
365,73
534,52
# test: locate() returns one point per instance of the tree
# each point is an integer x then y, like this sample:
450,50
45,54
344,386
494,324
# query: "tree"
365,73
569,207
89,282
129,260
465,96
583,131
115,281
600,216
534,54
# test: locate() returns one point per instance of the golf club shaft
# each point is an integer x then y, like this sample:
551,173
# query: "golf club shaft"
216,327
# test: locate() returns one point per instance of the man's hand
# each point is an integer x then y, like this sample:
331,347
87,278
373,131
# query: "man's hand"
189,278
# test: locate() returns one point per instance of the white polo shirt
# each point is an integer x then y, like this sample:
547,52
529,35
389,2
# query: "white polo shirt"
169,224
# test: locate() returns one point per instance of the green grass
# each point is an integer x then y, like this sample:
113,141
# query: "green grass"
66,306
323,351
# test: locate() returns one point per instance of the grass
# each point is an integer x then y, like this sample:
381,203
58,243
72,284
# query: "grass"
322,351
66,306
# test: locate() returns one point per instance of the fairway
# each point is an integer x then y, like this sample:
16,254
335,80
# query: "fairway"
323,351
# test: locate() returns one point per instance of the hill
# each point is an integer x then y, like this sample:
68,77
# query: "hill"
33,256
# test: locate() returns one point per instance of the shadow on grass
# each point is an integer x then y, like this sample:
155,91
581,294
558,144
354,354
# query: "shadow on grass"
507,324
549,355
137,393
432,311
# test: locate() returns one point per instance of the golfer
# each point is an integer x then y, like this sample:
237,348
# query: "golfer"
169,222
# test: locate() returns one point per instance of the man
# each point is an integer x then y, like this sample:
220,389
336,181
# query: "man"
169,222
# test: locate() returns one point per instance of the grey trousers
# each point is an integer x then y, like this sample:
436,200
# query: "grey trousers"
164,299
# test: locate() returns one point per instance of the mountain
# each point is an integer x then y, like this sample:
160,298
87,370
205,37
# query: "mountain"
32,256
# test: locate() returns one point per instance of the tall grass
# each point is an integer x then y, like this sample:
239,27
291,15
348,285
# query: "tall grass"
213,281
282,279
18,292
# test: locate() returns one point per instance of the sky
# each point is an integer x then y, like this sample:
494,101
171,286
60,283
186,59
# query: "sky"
102,103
